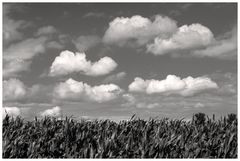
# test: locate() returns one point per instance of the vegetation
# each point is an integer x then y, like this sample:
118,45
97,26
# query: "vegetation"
156,138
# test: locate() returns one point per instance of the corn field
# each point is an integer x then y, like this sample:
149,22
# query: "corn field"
50,137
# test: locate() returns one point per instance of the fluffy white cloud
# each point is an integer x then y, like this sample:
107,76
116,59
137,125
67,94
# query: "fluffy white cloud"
53,112
223,48
68,62
11,111
13,89
173,85
74,90
83,43
187,37
138,29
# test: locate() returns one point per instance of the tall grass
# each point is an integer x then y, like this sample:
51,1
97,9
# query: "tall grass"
137,138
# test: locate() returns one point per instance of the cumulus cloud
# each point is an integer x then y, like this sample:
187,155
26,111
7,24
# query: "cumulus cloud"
138,29
74,90
11,111
162,36
68,62
13,89
83,43
173,85
224,48
53,112
187,37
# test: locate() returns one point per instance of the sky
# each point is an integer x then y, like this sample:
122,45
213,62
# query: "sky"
113,60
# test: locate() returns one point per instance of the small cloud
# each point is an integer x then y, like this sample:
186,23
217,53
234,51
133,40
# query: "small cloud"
199,105
173,85
94,15
78,91
68,62
53,112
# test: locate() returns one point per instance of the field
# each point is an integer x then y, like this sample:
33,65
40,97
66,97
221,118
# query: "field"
203,137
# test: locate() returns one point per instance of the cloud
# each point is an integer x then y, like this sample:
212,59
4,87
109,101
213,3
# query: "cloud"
46,30
199,105
68,62
83,43
53,112
13,89
187,37
11,111
115,77
26,49
78,91
138,30
17,57
173,85
94,15
223,48
162,36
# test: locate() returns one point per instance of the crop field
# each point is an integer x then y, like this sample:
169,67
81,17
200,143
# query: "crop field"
202,137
